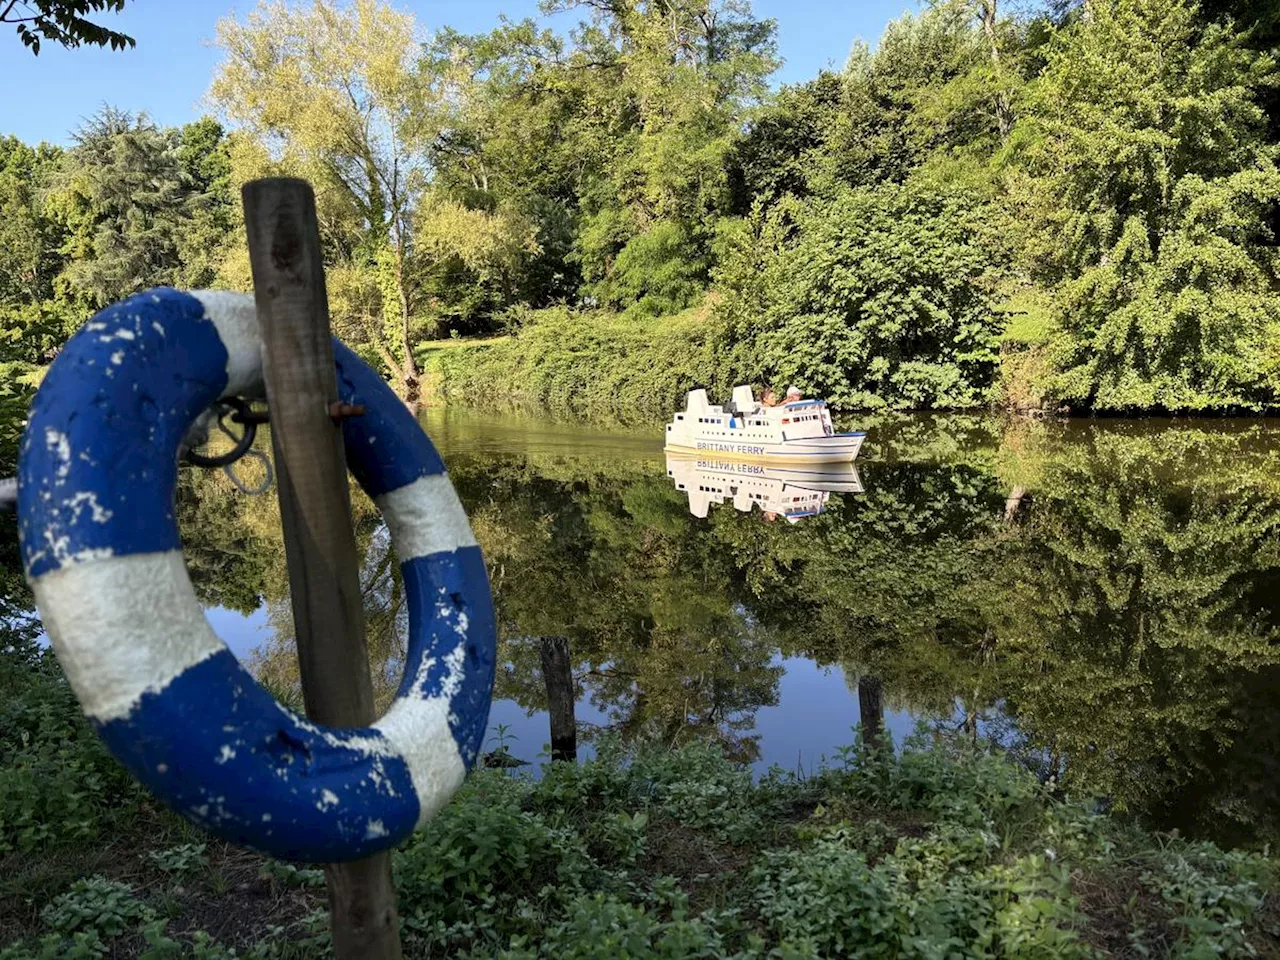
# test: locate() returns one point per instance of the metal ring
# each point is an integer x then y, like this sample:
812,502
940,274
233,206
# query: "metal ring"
242,414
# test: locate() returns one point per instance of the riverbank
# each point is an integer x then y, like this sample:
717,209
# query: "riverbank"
942,849
585,365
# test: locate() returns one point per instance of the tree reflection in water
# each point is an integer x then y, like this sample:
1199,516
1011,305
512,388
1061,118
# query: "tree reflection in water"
1103,596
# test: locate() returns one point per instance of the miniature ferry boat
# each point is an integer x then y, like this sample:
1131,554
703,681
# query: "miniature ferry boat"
798,432
789,492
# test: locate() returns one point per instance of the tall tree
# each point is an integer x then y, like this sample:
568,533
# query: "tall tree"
334,93
328,93
127,201
672,84
1148,191
32,323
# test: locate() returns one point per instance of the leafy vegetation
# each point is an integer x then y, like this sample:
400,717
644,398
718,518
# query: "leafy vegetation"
1115,633
64,21
1042,206
1067,204
635,373
943,849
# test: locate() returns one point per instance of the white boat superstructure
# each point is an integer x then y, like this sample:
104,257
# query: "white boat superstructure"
799,432
787,492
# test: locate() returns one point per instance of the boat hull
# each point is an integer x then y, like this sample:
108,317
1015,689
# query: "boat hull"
842,448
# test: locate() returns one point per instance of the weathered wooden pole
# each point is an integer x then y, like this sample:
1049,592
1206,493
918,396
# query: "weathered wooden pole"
557,673
871,710
315,511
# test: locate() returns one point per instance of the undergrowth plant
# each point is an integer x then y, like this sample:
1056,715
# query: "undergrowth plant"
940,849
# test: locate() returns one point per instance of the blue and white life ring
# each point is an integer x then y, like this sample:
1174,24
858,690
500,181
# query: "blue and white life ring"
97,474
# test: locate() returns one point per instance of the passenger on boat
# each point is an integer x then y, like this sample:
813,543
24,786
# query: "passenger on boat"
768,398
794,394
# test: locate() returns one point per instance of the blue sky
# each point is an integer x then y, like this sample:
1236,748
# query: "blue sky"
167,74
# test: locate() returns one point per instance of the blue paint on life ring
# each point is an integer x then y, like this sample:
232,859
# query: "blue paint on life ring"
97,477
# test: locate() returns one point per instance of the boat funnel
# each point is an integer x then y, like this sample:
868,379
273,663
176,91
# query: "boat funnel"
698,402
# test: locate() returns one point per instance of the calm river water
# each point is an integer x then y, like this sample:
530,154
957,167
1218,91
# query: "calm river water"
1102,597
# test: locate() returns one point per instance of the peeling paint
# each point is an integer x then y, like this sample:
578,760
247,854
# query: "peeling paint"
99,514
58,442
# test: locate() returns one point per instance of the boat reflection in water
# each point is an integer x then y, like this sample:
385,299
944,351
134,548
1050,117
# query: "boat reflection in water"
781,492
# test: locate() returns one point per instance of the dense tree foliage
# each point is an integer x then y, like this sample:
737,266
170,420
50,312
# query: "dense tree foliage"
876,295
1148,191
127,206
1024,205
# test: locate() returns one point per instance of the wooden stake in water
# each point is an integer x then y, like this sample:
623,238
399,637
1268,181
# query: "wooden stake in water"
557,673
315,511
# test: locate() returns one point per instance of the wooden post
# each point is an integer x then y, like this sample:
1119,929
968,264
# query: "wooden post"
557,673
871,710
315,511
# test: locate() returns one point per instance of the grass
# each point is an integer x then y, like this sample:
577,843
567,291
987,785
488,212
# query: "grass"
427,347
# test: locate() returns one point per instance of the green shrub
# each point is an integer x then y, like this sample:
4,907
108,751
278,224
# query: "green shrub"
603,926
290,875
483,869
182,860
952,781
632,369
84,945
937,897
58,783
695,786
877,297
97,905
277,945
1212,896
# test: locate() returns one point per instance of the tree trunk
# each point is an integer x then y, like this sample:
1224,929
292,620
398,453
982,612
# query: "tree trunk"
409,367
988,13
1014,503
556,673
871,710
